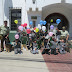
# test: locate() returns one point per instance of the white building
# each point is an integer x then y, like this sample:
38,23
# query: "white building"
26,11
11,10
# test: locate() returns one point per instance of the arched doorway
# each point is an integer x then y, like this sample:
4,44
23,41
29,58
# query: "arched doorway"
55,16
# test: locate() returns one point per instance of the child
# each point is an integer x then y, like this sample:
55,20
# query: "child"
30,42
46,47
68,47
24,41
62,45
51,39
33,35
53,46
17,47
39,42
43,39
35,46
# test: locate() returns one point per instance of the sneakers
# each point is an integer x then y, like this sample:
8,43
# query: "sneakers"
56,54
24,48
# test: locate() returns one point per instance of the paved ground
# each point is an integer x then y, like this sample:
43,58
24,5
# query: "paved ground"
27,62
59,63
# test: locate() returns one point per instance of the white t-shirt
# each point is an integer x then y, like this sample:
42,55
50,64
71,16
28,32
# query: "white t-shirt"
64,33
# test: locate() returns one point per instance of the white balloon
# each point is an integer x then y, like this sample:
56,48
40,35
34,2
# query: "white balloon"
43,28
39,26
34,31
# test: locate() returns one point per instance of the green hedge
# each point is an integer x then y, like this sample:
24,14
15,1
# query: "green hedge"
12,35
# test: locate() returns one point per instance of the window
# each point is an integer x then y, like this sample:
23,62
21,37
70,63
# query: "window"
33,17
33,1
15,14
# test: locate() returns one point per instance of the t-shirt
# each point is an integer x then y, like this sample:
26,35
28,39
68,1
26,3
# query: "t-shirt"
35,45
54,44
64,33
4,30
24,39
18,45
31,29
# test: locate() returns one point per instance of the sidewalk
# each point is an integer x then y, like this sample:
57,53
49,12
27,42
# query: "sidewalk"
59,63
26,62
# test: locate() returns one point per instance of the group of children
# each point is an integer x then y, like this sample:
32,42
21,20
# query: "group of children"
35,41
52,44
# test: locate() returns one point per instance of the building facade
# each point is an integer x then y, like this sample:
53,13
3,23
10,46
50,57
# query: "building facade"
54,9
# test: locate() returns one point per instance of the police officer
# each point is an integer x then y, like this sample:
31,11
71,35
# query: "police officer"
4,30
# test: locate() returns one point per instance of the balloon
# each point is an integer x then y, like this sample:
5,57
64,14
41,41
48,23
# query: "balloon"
28,31
16,21
22,25
44,31
39,26
41,22
31,22
52,27
36,29
51,20
25,24
58,21
16,36
43,28
50,33
44,22
20,28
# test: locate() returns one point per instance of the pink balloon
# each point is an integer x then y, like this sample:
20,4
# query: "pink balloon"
50,33
34,28
20,28
16,36
28,31
22,25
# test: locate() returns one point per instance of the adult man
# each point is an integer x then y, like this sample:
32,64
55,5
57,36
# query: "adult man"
64,33
4,30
